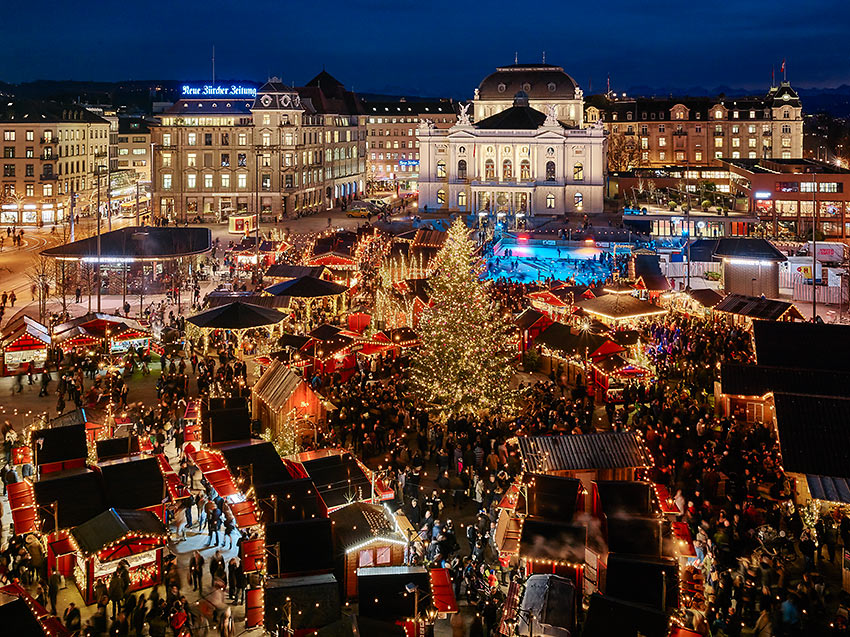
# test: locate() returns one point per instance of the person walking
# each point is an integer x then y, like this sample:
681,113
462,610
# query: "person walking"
196,571
53,586
72,618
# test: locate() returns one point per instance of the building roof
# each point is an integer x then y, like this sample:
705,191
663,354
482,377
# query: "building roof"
216,299
791,167
306,287
135,243
647,272
78,494
190,107
803,345
134,126
528,317
133,484
339,479
619,307
114,525
539,81
35,112
17,618
359,522
608,616
514,118
237,316
621,497
706,297
59,444
757,307
813,434
757,380
276,386
287,271
266,465
327,95
549,600
747,248
828,488
607,450
314,539
409,108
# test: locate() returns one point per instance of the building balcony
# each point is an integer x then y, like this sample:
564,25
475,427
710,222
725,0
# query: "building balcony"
766,133
101,154
719,133
680,133
49,177
49,157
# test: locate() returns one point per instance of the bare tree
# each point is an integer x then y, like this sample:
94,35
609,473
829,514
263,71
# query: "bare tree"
652,189
623,152
41,275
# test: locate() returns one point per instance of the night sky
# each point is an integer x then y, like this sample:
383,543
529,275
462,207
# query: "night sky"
431,47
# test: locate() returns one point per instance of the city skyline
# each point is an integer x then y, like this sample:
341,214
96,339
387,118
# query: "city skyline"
444,51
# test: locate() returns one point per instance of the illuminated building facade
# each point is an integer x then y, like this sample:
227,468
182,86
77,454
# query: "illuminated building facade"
281,151
392,146
694,131
50,151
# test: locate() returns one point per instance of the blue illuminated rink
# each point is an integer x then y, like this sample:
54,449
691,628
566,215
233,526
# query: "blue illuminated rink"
538,262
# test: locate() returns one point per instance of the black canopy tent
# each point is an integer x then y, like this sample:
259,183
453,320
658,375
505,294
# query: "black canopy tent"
309,289
236,317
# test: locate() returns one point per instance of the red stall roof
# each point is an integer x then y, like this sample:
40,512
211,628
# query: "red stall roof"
22,505
442,591
215,471
245,513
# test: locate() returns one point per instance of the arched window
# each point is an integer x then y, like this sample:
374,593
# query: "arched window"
578,172
507,170
441,168
461,169
461,199
489,170
525,170
441,197
550,171
578,199
550,200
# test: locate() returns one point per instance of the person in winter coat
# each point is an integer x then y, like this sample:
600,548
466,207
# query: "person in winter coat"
116,591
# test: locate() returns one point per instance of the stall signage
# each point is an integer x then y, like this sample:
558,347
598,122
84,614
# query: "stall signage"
761,194
133,561
208,90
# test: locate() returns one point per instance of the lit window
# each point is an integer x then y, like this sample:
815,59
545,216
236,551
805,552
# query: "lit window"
718,114
441,168
208,180
225,180
47,190
441,197
461,199
191,180
242,180
578,172
191,159
698,155
550,201
166,182
578,199
192,139
550,171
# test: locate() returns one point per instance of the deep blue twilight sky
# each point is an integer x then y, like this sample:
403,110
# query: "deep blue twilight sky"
434,47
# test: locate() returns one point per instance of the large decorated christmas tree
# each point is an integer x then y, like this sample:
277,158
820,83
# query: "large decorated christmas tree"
465,363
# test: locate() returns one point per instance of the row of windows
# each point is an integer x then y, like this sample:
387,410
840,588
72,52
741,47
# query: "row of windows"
808,186
395,156
578,199
395,133
394,144
10,135
287,138
682,114
507,170
47,153
698,155
407,120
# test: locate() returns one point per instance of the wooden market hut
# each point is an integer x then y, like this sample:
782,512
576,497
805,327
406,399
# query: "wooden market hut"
24,342
599,456
341,478
364,536
617,309
107,332
530,323
136,538
279,272
745,310
282,398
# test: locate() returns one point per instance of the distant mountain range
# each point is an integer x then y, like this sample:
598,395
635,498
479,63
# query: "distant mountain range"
139,94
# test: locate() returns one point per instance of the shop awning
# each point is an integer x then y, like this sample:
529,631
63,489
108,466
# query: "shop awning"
62,547
22,505
442,592
683,534
245,513
215,471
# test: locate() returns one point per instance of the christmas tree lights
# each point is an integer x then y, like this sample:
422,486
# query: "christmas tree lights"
465,362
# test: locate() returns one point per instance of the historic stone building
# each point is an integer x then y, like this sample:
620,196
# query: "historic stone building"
283,152
516,159
694,131
51,152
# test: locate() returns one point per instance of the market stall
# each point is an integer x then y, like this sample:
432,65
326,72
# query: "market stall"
118,538
281,399
24,343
